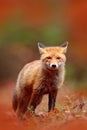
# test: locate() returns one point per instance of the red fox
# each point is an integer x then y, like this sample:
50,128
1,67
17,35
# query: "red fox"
40,77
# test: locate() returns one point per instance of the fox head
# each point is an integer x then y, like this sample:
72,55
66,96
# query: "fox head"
53,57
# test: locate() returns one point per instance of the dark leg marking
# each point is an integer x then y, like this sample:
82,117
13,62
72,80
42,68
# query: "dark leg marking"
52,100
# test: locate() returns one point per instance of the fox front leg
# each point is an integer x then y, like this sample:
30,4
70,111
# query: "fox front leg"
36,98
52,100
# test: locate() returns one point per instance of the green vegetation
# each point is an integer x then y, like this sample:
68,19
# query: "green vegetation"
18,33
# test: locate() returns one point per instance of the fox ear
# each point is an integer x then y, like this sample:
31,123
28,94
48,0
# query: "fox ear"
41,47
64,46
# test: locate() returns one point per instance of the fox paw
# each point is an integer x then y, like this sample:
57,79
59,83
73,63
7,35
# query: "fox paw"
42,114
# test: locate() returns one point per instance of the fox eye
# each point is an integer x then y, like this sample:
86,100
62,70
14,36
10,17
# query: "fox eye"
58,57
48,57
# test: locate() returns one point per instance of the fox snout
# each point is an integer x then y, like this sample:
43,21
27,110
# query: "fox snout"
54,65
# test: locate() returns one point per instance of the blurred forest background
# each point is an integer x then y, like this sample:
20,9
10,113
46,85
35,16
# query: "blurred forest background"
25,22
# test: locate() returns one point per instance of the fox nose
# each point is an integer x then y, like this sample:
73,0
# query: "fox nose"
54,66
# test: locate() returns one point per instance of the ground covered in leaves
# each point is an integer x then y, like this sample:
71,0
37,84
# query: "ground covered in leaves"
70,112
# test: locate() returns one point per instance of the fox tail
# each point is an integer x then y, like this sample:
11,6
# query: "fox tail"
14,100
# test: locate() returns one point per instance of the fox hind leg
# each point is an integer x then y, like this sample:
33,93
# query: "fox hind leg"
23,101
